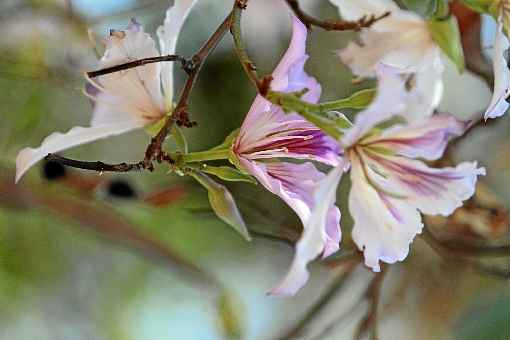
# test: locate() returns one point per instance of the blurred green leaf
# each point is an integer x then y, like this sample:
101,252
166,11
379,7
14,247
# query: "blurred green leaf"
180,139
446,34
223,203
227,173
358,100
481,6
487,322
426,8
230,316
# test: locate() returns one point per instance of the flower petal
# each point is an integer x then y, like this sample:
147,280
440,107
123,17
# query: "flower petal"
499,105
388,102
384,226
426,139
168,34
57,142
136,91
432,190
314,238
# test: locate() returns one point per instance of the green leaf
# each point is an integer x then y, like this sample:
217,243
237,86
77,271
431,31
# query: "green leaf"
359,100
425,8
154,128
222,203
446,34
180,139
481,6
230,316
227,173
227,143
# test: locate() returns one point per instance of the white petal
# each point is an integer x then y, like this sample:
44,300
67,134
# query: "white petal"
168,34
314,237
499,105
135,91
57,142
384,226
423,139
388,102
432,190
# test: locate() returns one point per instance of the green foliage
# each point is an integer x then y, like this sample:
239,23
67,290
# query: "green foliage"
481,6
227,173
180,139
223,203
446,34
425,8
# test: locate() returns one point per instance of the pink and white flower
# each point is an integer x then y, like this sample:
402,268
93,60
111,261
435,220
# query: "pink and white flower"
391,186
125,100
268,136
403,41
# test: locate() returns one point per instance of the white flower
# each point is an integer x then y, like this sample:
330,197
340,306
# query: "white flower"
402,41
390,185
125,100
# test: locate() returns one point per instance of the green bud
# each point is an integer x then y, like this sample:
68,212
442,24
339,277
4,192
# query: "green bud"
222,203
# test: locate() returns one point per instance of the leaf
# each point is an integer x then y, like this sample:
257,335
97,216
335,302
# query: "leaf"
154,128
358,100
446,34
180,139
425,8
227,143
222,203
227,173
230,315
481,6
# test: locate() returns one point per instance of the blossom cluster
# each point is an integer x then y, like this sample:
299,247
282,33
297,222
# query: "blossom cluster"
384,150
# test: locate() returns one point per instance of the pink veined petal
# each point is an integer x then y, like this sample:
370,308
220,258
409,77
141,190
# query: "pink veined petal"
434,191
499,105
168,34
384,226
424,139
294,54
293,183
314,240
57,142
388,102
135,92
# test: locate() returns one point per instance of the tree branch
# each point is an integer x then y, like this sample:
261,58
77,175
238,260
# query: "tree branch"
185,64
96,165
373,294
334,25
180,114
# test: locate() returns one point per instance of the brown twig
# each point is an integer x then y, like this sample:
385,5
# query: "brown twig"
373,294
180,114
337,284
185,64
96,165
334,25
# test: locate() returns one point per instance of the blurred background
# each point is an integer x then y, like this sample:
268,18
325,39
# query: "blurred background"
142,256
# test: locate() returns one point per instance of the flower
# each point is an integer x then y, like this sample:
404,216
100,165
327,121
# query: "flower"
125,100
269,135
390,186
403,41
498,105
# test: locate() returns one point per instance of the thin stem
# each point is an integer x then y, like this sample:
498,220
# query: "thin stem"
140,62
249,67
180,114
337,284
203,156
373,294
95,166
334,25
